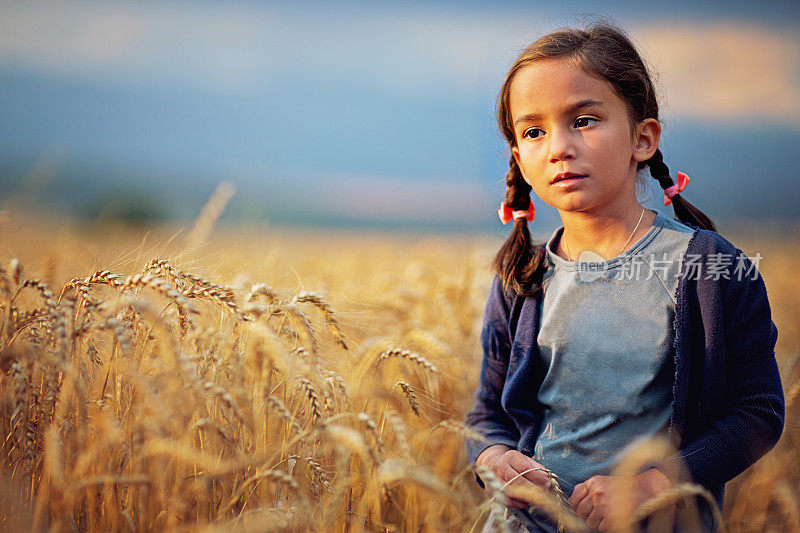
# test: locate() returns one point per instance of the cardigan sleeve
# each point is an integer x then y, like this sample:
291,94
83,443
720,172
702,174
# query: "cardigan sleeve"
753,418
487,416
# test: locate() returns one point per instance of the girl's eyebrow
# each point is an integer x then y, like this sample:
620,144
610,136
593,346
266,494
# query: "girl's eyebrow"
566,111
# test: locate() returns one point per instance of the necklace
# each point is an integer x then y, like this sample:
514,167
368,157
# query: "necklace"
569,256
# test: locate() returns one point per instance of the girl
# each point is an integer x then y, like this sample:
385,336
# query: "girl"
625,324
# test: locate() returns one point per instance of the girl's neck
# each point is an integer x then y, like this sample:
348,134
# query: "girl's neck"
603,234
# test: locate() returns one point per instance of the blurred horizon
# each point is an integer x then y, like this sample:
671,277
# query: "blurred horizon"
361,115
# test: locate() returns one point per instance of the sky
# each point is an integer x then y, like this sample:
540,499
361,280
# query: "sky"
366,114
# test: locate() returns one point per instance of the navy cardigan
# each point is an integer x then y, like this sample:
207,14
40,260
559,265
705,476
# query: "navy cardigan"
728,403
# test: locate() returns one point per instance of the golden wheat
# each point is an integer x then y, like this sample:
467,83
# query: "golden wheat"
156,399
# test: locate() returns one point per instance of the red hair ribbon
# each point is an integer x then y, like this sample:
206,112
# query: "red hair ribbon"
506,214
669,192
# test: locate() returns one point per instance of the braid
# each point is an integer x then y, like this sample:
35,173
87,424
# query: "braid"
519,263
684,211
518,195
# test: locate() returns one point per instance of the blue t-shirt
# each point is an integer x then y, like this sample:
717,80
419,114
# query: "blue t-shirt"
606,340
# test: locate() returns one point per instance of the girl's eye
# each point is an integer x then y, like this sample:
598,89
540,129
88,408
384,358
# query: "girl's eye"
531,133
580,121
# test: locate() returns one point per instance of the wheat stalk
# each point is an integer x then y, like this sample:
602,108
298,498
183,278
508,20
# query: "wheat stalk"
313,399
411,356
401,434
278,406
674,495
47,295
196,287
327,312
262,289
204,224
408,391
378,451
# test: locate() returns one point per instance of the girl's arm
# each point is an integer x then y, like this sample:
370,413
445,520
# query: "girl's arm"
753,418
487,416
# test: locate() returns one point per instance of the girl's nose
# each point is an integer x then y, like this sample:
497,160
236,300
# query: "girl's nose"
561,146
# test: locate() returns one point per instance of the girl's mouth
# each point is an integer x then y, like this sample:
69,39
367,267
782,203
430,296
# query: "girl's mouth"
568,181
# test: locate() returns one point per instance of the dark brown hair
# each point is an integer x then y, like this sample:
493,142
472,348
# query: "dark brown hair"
604,51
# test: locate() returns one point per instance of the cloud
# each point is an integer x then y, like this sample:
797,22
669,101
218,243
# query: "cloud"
725,70
205,47
239,48
55,38
383,197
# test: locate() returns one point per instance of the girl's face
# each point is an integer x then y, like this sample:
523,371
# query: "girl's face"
566,121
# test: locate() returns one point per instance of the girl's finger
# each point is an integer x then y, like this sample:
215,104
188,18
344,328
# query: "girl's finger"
509,472
594,518
540,477
578,493
522,463
584,507
514,503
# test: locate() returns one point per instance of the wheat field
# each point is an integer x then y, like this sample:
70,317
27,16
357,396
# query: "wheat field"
278,380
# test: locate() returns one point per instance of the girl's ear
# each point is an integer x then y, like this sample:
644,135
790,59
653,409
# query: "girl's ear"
646,140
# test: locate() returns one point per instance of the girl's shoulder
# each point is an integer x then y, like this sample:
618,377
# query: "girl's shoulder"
673,224
500,295
716,263
707,241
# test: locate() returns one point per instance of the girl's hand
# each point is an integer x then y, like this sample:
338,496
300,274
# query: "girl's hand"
596,499
507,463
